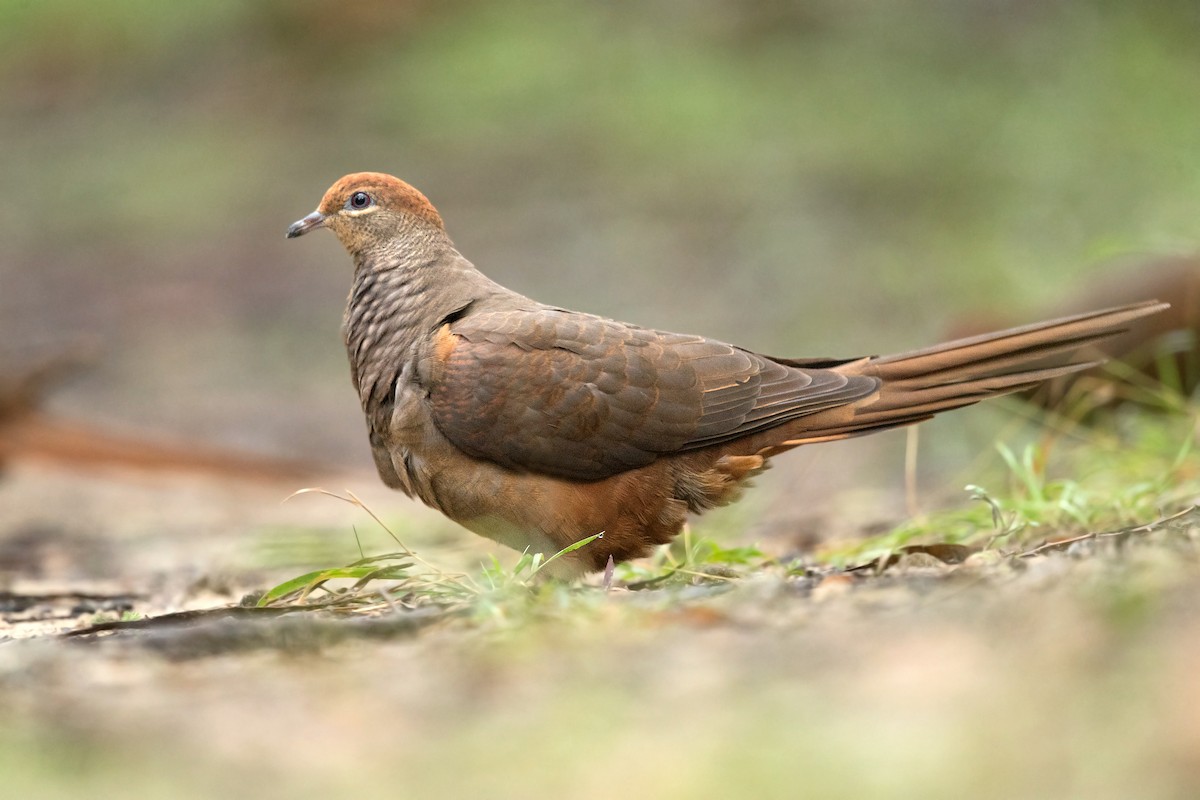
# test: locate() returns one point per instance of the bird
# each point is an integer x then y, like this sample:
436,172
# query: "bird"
539,427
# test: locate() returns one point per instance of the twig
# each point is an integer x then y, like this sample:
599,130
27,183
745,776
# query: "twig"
1150,527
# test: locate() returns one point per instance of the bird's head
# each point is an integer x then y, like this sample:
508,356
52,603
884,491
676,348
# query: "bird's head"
372,212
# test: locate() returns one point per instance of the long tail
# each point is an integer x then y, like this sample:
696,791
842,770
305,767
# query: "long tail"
914,386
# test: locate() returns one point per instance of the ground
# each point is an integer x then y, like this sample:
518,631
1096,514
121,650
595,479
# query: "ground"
1066,671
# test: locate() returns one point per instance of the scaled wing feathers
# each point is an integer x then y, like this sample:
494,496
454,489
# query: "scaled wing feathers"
583,397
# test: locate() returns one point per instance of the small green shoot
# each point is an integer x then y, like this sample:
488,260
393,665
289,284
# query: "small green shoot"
404,580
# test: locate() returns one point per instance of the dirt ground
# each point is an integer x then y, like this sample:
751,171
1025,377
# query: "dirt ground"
1073,674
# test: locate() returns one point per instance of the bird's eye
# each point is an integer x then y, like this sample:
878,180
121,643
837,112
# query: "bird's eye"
360,200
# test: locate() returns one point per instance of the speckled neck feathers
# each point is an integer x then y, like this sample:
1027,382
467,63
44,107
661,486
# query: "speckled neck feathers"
396,303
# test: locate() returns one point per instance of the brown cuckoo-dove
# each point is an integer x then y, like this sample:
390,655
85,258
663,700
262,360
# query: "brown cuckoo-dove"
537,426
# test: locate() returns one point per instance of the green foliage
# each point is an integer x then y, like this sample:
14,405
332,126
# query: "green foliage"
388,567
923,150
403,579
498,595
1128,466
690,559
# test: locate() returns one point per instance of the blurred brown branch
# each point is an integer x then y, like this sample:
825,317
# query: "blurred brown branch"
28,433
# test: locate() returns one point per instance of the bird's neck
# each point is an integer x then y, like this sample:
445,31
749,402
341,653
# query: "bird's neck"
396,303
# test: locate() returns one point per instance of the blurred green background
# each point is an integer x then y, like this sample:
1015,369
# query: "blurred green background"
815,178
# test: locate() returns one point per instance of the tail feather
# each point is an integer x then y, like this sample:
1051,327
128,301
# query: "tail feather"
914,386
1041,339
833,434
931,398
1007,363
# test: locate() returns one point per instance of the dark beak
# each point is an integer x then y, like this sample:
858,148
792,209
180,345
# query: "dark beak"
302,226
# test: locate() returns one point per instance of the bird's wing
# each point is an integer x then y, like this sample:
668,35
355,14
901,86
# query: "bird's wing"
581,397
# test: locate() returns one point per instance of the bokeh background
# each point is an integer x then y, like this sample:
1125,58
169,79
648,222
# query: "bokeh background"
801,178
814,178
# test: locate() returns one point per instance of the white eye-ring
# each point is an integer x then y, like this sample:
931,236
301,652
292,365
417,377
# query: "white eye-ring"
359,200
